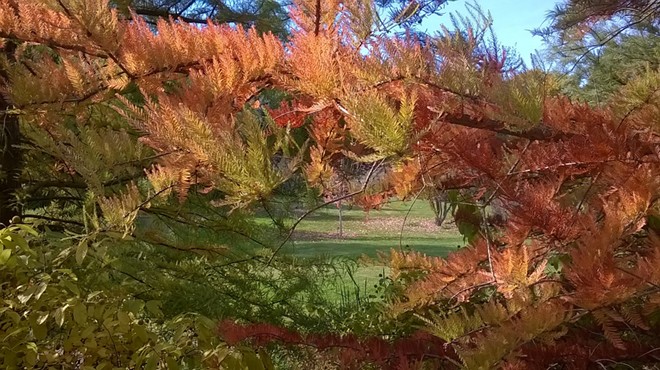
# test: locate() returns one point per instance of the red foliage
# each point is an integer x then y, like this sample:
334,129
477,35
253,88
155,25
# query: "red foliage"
584,353
288,116
350,351
370,202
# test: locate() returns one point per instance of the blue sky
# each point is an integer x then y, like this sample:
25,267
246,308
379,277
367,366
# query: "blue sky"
512,20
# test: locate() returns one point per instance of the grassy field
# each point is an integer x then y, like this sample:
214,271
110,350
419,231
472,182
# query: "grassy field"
397,225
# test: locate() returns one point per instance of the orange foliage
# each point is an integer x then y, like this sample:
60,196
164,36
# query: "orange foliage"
579,186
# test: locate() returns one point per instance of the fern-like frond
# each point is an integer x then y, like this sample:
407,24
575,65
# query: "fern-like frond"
374,122
120,211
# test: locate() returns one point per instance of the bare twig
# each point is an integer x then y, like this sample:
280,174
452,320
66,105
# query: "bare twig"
54,219
405,218
488,245
146,201
313,209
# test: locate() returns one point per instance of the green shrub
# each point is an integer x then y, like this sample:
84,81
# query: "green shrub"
49,319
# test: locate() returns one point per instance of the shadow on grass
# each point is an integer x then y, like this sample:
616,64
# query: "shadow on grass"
371,246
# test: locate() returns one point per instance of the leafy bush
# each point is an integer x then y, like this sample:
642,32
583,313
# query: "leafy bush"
48,318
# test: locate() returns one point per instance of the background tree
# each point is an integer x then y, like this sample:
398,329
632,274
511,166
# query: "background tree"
264,15
601,46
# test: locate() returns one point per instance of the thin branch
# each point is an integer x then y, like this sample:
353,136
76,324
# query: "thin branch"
165,14
509,172
405,218
540,132
586,193
54,198
313,209
54,219
649,352
160,215
149,158
488,244
146,201
81,185
473,287
570,164
613,362
638,277
317,18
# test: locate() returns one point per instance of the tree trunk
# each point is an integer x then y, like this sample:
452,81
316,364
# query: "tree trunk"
10,163
441,207
10,154
341,221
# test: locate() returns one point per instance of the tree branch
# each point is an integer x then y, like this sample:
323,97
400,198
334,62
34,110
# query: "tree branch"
541,132
313,209
161,13
46,218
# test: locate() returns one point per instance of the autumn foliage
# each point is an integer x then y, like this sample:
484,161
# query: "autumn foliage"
567,277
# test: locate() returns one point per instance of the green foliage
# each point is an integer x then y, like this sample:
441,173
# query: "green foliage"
264,15
97,154
51,318
245,161
597,64
374,123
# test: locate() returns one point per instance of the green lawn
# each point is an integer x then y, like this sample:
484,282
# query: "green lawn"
397,225
371,245
381,231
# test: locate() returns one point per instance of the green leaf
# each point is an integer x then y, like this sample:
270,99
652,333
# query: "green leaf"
100,249
88,332
141,333
252,361
80,314
91,343
71,286
152,363
59,316
14,240
124,319
31,354
25,296
39,331
134,306
41,288
81,252
265,358
468,230
94,294
14,332
26,228
172,363
218,354
14,316
19,241
231,362
42,317
375,122
4,256
154,308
